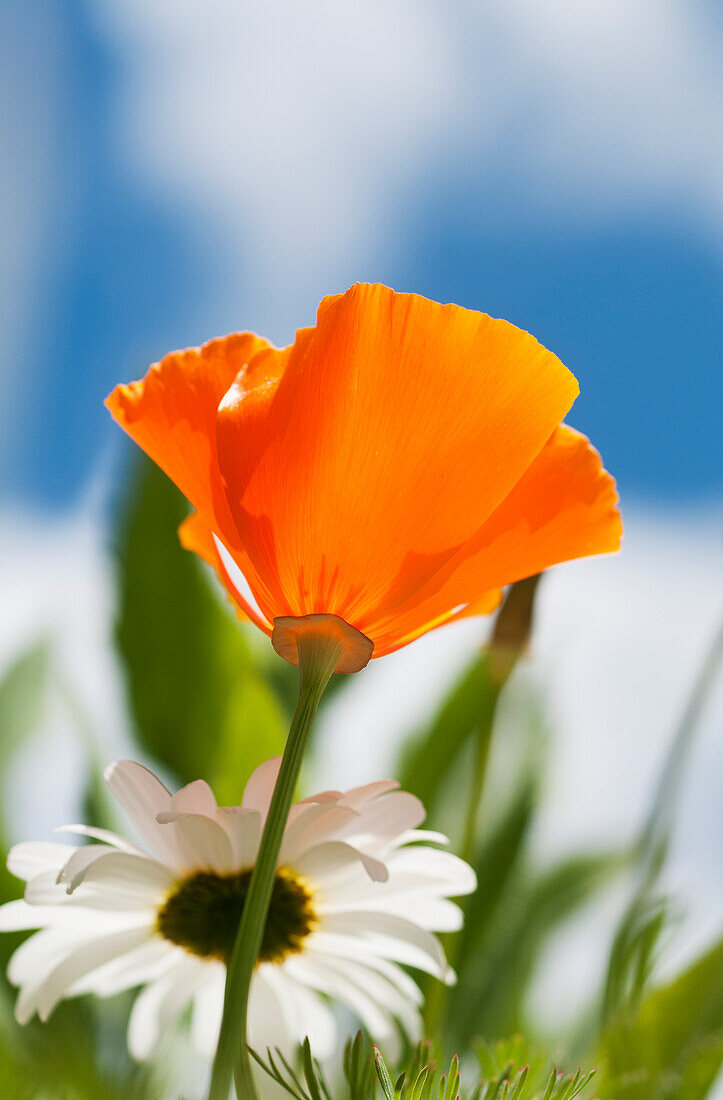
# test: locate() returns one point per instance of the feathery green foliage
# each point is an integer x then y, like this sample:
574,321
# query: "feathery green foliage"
421,1079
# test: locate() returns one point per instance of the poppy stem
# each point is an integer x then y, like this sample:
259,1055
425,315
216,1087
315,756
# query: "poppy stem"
319,654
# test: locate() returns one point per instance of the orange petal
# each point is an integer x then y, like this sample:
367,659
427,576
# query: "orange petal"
194,534
365,456
171,414
564,507
197,536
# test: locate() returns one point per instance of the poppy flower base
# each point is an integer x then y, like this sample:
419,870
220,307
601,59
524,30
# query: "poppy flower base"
289,630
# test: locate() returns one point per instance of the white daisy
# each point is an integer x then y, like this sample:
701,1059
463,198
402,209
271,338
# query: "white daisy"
358,891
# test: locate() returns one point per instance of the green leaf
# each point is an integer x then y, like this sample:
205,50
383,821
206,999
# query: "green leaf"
200,702
632,955
490,996
312,1073
383,1074
22,699
59,1060
359,1068
673,1047
253,729
22,703
640,926
496,866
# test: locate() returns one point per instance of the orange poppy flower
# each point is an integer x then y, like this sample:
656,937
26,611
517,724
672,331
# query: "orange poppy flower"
396,466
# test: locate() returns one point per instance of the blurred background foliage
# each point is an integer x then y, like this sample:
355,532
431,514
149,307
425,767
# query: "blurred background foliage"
208,697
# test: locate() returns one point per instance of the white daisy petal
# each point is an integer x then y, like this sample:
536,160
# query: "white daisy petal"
87,956
76,869
17,916
73,872
143,797
272,1017
203,844
207,1011
421,836
433,914
265,1017
398,977
310,1016
104,835
243,828
133,876
33,857
445,872
194,798
313,826
105,894
160,1003
358,797
35,955
323,796
380,989
335,858
384,818
314,970
260,787
145,963
388,935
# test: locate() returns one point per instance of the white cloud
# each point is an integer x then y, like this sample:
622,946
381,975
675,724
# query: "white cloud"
294,123
618,102
307,130
58,588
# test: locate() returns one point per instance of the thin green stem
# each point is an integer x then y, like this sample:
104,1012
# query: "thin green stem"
507,644
468,845
439,992
318,656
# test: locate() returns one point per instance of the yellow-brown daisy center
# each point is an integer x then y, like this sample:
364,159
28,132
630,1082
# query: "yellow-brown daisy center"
203,912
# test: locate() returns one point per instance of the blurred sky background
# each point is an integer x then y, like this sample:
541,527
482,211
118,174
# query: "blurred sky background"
174,170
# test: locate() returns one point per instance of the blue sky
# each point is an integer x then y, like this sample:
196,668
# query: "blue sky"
619,275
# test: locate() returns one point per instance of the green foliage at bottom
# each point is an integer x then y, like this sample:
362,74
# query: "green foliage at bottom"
672,1047
368,1077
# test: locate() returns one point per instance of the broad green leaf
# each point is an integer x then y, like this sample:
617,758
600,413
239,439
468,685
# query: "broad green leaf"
22,702
22,699
701,1069
254,728
187,661
59,1060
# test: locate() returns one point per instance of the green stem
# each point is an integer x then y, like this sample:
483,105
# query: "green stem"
437,998
468,844
507,644
318,656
